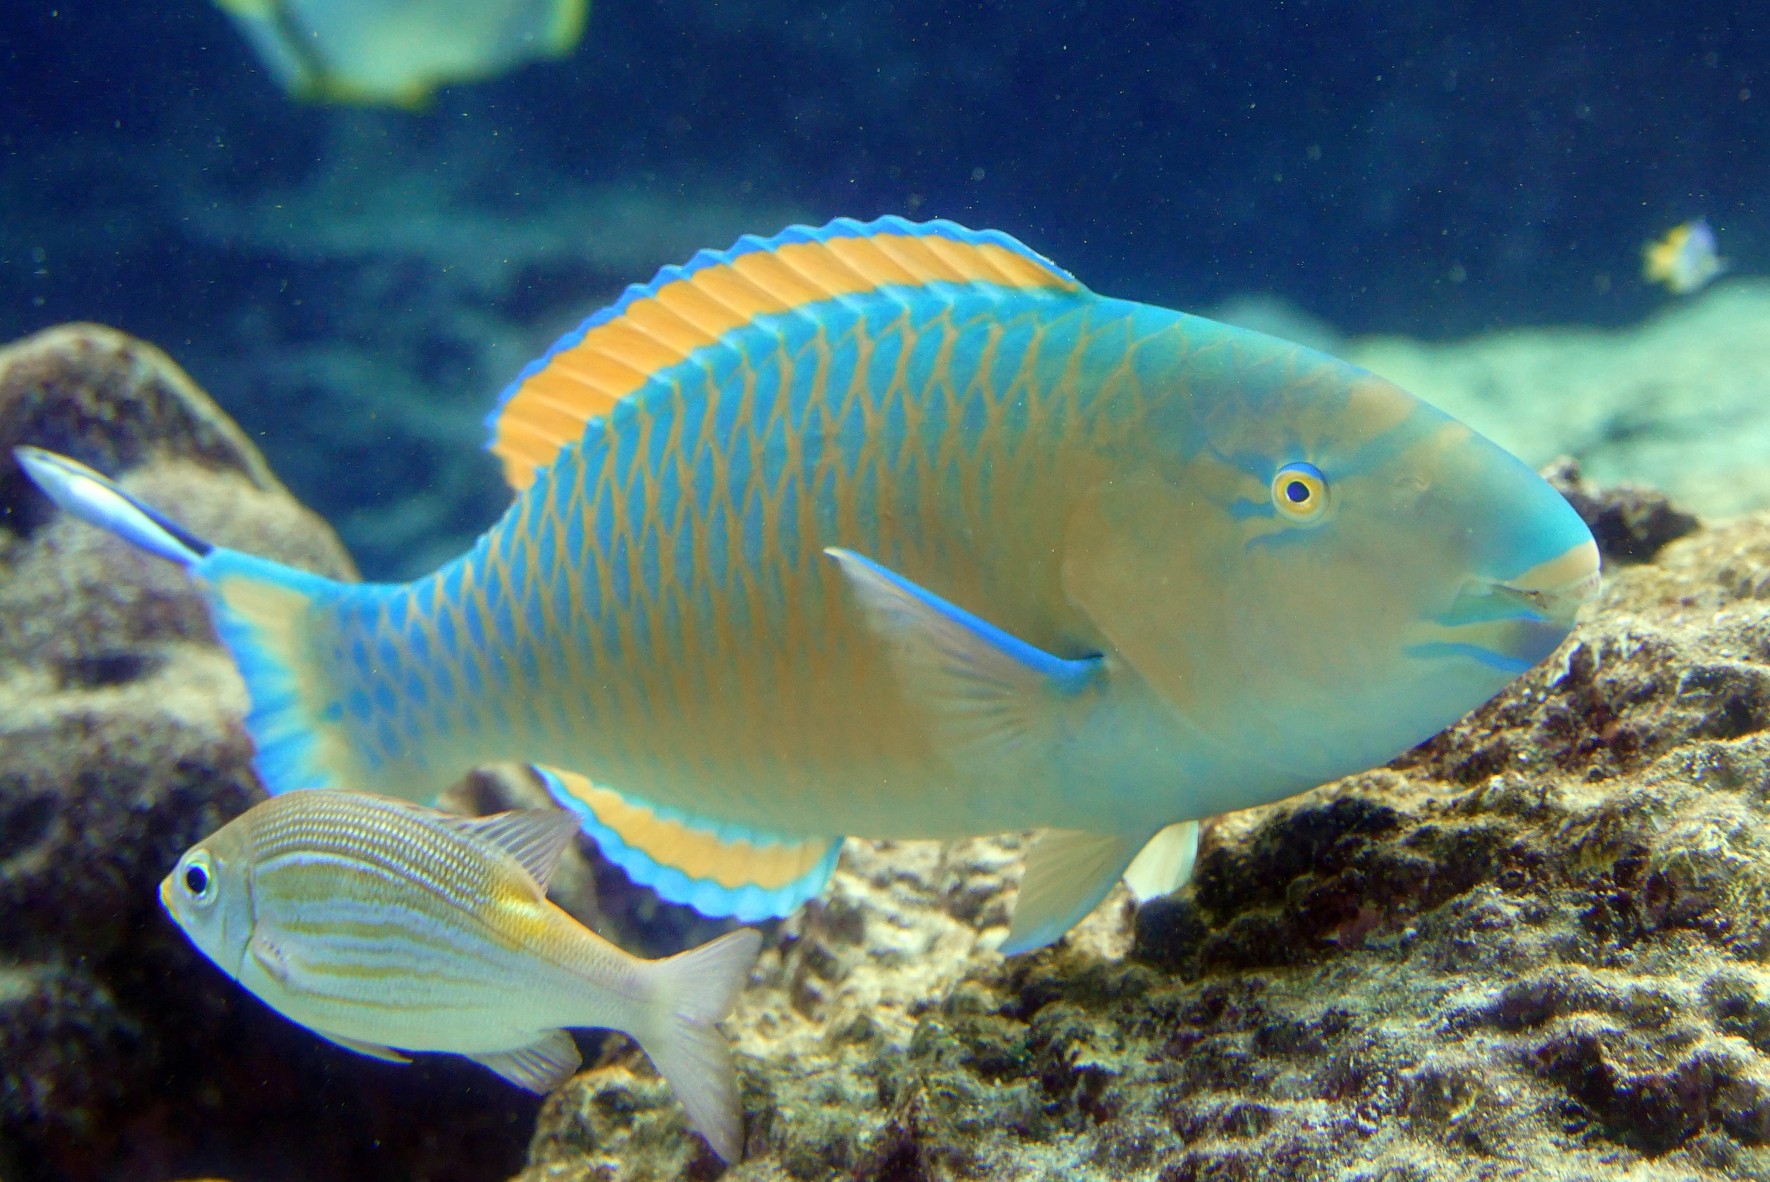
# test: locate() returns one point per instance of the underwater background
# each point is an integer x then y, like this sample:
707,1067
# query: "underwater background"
356,284
1537,943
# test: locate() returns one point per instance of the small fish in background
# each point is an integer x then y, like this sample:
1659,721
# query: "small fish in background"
386,927
1685,260
397,52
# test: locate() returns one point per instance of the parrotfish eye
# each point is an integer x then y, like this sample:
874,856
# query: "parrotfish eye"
199,879
1299,491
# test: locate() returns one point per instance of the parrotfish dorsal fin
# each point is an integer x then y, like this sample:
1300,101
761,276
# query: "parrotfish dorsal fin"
534,837
656,326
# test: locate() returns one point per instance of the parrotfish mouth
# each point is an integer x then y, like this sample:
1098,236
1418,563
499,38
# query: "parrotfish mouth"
1512,623
1555,590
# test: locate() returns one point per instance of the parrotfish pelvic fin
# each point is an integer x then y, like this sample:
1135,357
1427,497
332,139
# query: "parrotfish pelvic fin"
534,837
988,693
540,1067
1068,872
695,863
1165,864
81,492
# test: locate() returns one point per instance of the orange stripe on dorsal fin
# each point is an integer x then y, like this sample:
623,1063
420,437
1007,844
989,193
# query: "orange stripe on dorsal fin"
657,326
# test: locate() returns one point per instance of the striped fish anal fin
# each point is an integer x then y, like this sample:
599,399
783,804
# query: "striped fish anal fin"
534,837
540,1067
696,863
658,326
989,694
1068,872
1165,864
370,1049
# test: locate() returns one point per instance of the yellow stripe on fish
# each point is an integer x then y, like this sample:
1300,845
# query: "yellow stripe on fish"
387,927
896,530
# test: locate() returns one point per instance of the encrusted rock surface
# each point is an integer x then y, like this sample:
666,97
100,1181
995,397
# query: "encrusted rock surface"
1535,947
124,1054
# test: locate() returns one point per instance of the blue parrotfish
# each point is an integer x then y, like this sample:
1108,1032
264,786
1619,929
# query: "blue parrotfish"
388,927
896,530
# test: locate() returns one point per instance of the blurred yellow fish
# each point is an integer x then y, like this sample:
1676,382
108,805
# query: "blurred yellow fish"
399,51
380,924
1685,260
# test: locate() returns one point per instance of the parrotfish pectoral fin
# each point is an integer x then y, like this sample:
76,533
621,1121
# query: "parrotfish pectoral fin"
690,992
539,1067
1165,865
534,837
715,869
81,492
988,691
364,1048
1068,872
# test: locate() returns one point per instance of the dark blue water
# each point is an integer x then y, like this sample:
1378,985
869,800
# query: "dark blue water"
1434,169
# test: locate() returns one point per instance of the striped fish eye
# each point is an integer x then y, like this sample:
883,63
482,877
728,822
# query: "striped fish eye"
198,879
1299,492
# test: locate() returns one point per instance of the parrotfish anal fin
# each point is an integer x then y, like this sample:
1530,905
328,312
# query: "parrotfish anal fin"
990,694
697,864
539,1067
657,326
364,1048
1165,864
1068,872
534,837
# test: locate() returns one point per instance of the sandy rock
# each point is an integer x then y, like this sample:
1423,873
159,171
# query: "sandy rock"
124,1054
1534,947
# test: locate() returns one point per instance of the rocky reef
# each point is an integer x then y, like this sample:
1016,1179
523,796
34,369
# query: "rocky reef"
124,1054
1535,946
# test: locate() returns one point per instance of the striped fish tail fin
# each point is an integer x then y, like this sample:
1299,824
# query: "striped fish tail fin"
274,619
690,992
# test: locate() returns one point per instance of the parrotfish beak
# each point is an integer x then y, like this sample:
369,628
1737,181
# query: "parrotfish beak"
1530,613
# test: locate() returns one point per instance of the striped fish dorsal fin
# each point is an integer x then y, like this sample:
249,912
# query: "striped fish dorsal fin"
657,325
697,864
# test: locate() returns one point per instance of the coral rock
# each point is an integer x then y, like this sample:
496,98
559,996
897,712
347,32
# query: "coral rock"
123,1053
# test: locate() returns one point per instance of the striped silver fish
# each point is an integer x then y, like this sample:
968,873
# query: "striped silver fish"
385,927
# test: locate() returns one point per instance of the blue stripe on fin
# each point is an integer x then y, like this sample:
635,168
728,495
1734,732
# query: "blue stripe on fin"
715,869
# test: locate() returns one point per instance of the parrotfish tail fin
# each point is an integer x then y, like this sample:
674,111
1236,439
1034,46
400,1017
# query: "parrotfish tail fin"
690,992
1068,872
271,617
279,623
81,492
719,870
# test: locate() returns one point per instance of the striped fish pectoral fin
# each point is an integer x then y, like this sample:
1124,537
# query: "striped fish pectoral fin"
696,863
1068,872
534,837
364,1048
541,1066
991,695
1165,864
